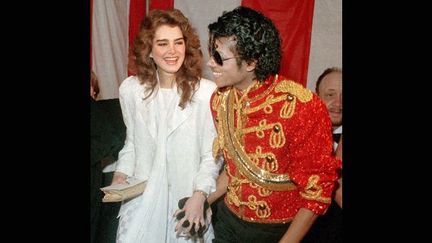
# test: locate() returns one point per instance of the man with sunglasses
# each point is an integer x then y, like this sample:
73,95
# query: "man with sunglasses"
274,134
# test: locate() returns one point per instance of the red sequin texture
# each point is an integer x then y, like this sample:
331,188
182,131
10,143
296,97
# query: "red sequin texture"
305,155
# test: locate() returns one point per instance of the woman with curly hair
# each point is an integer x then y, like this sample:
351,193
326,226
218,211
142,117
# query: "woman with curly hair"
170,132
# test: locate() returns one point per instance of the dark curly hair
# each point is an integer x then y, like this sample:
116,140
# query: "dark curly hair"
256,36
189,74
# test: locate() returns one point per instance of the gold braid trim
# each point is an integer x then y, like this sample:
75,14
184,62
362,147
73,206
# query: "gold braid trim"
266,92
236,182
215,148
271,181
259,130
218,104
288,108
277,136
261,208
266,105
313,191
263,192
269,161
216,100
296,89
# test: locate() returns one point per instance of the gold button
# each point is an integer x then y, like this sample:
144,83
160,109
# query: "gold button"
276,128
269,158
290,97
262,207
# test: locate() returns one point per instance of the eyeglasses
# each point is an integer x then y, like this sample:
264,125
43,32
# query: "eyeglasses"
218,59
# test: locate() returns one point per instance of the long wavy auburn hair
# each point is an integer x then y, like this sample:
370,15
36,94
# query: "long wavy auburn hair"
189,74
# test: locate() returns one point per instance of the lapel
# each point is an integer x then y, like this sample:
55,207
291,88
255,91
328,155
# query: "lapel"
177,115
147,110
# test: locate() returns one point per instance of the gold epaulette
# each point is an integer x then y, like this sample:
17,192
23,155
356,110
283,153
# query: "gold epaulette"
296,89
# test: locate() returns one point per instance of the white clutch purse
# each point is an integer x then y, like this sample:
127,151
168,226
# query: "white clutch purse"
121,192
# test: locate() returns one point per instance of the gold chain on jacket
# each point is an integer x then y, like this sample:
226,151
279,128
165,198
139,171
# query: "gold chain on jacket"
266,179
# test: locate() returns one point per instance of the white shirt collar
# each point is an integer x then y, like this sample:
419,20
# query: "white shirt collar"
338,130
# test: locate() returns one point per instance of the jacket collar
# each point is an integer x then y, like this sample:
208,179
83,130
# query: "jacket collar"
175,117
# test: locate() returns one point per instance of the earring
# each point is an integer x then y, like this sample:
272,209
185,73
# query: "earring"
151,56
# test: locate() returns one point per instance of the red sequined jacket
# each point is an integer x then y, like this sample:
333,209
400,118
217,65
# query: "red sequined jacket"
277,142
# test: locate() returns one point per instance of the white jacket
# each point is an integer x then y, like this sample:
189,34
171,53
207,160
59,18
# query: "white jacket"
189,138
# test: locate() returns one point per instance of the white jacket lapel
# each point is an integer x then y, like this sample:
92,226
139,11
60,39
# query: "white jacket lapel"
177,115
148,111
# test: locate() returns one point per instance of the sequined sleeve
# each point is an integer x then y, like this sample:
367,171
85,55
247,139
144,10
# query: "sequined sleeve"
314,168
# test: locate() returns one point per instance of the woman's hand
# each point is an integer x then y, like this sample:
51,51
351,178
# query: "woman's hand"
192,215
119,178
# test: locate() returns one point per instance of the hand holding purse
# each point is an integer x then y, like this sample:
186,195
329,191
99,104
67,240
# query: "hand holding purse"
120,192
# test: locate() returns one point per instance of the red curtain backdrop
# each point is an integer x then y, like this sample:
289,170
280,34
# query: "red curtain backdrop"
136,14
161,4
293,18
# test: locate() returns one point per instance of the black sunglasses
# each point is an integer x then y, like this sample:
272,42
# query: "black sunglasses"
218,59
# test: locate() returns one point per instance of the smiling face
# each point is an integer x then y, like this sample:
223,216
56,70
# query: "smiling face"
230,73
330,91
168,49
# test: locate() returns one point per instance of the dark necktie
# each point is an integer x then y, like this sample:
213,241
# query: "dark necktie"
336,137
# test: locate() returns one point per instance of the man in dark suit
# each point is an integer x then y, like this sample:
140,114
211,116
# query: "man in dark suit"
108,134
